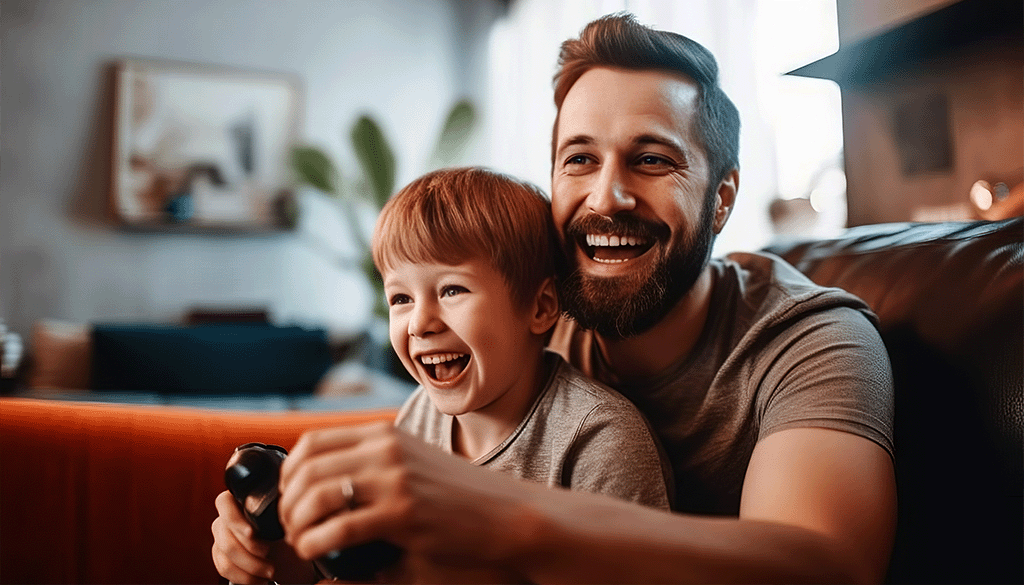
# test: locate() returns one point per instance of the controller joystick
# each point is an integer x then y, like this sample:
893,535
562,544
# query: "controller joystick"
251,476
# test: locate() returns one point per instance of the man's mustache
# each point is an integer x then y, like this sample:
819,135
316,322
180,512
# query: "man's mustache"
619,224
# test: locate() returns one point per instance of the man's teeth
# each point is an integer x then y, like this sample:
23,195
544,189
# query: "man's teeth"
440,358
612,241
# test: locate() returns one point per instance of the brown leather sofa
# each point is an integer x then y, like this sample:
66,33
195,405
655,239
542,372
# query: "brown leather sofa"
124,494
950,298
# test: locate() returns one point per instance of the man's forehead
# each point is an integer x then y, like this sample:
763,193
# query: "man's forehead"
664,102
669,85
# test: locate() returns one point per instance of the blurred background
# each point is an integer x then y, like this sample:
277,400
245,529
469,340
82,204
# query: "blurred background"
69,250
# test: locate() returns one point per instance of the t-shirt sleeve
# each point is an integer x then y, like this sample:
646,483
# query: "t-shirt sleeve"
614,453
830,370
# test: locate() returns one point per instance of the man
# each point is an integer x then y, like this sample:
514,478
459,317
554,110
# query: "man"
772,396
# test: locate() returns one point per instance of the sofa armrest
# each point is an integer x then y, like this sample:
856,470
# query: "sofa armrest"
99,493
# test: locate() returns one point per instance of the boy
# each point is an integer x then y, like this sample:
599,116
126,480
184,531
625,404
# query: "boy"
468,261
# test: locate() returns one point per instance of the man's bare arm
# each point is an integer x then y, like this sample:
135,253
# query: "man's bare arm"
818,506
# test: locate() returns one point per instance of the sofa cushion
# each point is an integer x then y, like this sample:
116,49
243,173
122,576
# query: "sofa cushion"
208,359
104,493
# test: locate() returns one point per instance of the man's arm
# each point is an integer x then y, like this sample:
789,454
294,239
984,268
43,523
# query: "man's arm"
818,506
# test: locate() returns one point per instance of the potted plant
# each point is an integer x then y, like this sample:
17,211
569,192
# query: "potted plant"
374,184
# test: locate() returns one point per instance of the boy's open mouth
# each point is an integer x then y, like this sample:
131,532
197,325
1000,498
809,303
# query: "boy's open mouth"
444,367
614,249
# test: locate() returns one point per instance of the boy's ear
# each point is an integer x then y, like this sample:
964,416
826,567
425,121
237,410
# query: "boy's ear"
545,311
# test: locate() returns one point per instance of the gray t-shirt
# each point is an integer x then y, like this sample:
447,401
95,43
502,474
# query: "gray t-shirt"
777,352
578,434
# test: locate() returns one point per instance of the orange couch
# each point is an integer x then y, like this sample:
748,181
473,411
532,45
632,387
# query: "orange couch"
100,493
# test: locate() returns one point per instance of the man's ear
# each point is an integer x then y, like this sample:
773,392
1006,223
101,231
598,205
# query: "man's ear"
544,311
725,198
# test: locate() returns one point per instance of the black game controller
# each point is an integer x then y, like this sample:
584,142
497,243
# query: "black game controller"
251,477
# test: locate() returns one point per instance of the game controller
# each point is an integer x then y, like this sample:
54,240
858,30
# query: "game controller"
251,476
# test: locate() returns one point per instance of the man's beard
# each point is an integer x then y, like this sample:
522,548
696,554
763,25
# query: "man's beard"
626,306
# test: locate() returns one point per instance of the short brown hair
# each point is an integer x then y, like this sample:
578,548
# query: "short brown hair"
620,41
452,215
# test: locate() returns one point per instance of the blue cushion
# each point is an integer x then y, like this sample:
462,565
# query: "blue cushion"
209,359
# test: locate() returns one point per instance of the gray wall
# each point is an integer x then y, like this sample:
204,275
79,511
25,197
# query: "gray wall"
62,257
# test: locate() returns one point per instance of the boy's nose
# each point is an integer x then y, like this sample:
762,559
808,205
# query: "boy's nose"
425,320
610,192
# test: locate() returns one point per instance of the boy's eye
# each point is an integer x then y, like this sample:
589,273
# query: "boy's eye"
452,290
399,299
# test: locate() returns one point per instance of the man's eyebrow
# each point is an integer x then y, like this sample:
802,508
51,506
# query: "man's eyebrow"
675,146
578,139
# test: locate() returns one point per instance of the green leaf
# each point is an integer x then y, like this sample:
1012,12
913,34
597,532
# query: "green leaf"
313,167
380,306
455,134
376,157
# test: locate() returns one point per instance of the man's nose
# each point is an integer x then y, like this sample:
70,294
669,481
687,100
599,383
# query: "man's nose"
425,319
610,193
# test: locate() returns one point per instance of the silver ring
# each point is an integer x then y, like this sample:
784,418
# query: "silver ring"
348,491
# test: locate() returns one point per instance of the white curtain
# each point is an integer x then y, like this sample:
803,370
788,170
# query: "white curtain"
523,54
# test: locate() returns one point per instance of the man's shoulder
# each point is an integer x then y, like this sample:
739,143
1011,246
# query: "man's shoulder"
767,289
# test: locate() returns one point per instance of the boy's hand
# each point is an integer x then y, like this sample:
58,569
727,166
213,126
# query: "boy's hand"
243,559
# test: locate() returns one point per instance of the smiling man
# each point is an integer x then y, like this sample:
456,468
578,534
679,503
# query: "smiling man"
772,396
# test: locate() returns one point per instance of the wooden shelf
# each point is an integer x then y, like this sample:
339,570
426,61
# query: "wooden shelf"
934,35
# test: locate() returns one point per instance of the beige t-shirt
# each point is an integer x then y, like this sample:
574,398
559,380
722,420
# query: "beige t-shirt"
777,352
578,434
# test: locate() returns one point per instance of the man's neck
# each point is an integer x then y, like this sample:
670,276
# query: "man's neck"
672,339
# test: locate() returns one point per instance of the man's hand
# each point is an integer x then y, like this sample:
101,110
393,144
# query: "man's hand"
433,504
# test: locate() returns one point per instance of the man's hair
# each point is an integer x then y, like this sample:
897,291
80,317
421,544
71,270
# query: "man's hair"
455,215
620,41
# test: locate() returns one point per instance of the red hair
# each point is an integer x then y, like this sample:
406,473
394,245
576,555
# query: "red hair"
452,215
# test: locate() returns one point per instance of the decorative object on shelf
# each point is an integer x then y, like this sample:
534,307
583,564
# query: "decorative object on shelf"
202,148
11,353
375,183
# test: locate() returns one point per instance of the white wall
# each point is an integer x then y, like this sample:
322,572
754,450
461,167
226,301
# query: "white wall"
60,255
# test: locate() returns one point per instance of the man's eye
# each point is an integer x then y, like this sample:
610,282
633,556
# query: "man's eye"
451,291
399,299
577,159
653,159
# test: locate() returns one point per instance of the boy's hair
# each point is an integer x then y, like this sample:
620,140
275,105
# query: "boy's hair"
620,41
453,215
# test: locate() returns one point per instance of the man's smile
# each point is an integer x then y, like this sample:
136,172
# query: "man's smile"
614,249
616,240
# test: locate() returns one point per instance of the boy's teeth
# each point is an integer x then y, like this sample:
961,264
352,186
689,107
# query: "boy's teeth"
440,358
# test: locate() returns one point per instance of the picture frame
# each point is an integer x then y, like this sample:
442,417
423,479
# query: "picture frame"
203,148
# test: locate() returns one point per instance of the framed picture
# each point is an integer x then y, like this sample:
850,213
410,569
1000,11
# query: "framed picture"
203,148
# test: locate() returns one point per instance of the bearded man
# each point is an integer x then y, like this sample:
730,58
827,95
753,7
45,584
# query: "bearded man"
772,396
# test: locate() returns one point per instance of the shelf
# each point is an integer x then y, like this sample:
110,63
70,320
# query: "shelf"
937,34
